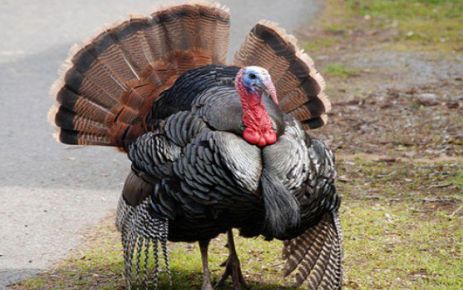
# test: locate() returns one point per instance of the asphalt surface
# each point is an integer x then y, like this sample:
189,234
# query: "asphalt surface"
50,193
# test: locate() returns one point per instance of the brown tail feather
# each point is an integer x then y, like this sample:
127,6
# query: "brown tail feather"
131,38
315,256
69,120
299,86
110,84
203,26
79,138
67,99
74,81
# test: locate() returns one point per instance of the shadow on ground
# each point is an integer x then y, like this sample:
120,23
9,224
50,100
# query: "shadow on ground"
93,278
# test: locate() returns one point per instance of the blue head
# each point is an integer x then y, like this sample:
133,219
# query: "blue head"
257,80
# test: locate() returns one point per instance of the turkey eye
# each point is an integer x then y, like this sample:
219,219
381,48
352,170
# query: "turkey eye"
252,76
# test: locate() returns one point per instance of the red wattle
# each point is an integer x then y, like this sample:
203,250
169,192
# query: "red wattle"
270,137
251,136
256,120
258,138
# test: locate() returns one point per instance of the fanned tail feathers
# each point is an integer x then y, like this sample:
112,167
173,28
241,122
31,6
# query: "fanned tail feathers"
108,85
299,86
314,258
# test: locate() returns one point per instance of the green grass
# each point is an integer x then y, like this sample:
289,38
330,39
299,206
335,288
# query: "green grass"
100,266
402,225
458,179
339,70
395,246
420,24
402,229
320,43
424,22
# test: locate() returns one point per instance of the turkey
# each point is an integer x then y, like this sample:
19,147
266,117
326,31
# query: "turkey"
214,147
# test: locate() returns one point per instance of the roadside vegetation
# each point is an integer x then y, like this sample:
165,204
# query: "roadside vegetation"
399,24
394,75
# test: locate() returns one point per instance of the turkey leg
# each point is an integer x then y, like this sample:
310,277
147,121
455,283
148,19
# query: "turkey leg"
203,245
232,266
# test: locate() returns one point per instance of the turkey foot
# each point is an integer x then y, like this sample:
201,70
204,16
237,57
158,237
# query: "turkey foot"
203,245
232,266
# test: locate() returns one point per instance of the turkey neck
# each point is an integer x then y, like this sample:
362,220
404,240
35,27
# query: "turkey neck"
256,120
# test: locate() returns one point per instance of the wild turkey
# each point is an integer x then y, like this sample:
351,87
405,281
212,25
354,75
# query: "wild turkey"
213,147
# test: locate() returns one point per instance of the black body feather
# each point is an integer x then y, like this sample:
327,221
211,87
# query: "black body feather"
207,179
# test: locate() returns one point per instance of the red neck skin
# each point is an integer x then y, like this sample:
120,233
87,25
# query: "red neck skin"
258,125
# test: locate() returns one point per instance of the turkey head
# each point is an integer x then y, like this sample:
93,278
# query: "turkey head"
254,83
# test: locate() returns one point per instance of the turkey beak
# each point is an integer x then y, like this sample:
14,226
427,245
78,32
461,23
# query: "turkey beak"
268,88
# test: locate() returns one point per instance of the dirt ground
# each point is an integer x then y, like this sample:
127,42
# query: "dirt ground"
395,103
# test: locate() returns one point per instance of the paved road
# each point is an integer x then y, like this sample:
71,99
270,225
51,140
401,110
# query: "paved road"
49,193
